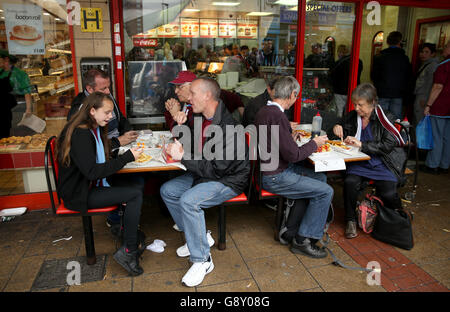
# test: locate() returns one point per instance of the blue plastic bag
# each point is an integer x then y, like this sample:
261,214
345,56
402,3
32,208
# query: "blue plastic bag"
424,135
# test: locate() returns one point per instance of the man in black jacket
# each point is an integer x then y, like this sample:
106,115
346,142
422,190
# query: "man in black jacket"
119,129
339,75
259,101
212,177
391,75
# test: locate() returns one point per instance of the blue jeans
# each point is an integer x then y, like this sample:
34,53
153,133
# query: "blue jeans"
297,182
186,203
439,156
392,105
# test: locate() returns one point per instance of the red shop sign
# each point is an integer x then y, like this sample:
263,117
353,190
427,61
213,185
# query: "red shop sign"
139,42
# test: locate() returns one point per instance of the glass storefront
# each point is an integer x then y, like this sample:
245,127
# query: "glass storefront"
240,44
36,37
327,46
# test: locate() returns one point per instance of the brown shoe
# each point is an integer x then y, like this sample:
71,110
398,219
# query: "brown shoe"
350,230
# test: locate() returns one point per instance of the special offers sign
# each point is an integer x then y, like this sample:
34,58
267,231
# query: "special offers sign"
24,29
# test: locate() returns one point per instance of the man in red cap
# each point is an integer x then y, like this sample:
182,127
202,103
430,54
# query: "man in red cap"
175,112
178,114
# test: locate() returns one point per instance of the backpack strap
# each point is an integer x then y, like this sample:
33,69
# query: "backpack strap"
326,242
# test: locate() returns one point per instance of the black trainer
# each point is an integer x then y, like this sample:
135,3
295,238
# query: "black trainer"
129,261
308,249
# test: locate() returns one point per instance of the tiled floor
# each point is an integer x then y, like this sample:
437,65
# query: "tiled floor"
253,260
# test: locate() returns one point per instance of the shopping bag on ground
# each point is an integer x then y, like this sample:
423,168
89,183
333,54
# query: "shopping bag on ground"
367,212
424,135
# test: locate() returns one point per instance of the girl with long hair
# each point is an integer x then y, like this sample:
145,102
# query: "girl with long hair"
83,155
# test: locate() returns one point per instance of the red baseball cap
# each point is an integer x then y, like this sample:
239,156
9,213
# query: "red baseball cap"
184,76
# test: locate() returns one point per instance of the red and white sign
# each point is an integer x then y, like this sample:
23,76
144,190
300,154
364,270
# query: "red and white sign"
227,29
189,28
208,28
247,30
145,42
169,31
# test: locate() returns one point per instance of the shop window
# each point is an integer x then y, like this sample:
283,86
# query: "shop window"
377,46
433,28
36,36
326,67
241,44
436,32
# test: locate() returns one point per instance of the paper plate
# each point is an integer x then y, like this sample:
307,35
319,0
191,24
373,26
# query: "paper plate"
12,212
352,151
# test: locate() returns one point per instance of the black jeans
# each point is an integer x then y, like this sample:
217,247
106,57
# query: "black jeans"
385,190
109,196
5,122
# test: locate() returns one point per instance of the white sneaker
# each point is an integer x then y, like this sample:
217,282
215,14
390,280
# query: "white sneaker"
183,251
197,272
176,228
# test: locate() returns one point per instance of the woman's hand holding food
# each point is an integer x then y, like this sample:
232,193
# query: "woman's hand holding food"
338,131
352,141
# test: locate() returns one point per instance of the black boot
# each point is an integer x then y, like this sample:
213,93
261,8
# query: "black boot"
308,249
128,260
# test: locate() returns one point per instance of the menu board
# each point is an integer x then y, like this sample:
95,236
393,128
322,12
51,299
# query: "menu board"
171,30
208,28
152,33
189,28
247,30
227,29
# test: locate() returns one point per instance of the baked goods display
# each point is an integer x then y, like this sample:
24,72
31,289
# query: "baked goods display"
16,140
37,141
63,82
143,158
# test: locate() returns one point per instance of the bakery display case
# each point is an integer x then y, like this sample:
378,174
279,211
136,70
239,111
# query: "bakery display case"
51,77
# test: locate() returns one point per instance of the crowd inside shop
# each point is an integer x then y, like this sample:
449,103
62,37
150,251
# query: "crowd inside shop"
220,86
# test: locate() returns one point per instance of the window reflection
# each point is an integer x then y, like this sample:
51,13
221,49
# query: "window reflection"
241,44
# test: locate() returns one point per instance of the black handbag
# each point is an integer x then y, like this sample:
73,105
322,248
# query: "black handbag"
393,226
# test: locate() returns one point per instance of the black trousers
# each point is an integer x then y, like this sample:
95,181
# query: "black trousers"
132,197
5,122
385,190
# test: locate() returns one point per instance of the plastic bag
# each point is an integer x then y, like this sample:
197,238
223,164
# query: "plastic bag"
424,135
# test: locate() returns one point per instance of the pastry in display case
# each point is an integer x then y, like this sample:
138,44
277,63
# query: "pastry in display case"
29,142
